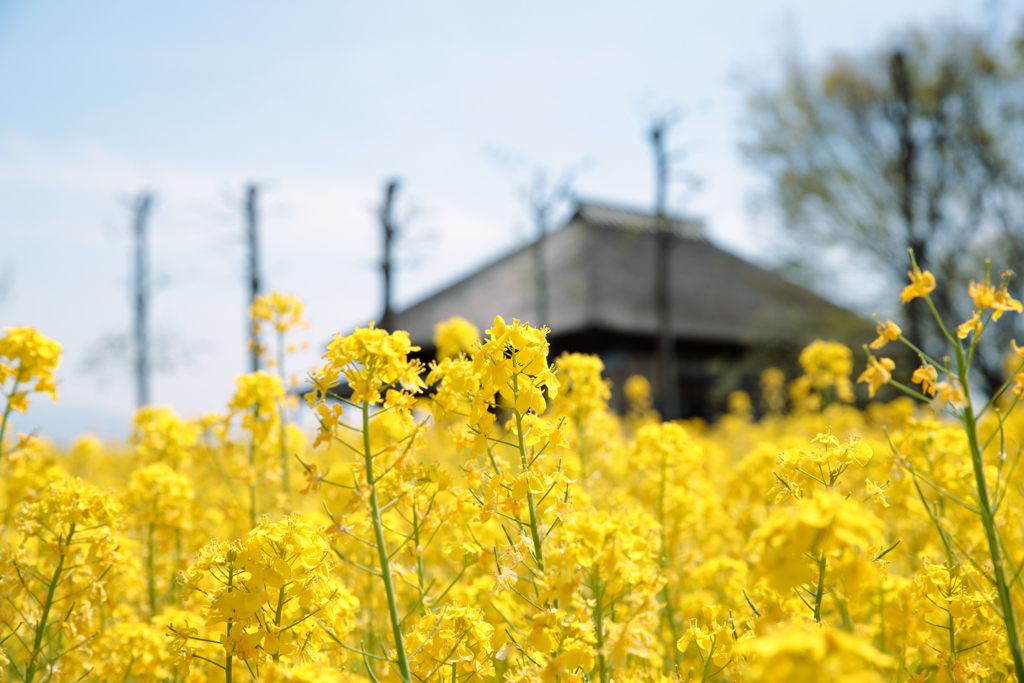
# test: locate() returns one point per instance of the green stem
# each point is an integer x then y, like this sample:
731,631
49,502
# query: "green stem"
228,659
277,621
670,616
599,625
910,392
494,463
711,653
844,612
1002,390
7,412
252,485
454,581
151,569
821,588
952,638
419,554
285,480
382,553
924,356
178,553
988,521
581,430
534,522
942,326
538,553
37,646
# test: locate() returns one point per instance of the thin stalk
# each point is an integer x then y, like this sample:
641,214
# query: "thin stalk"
277,620
952,637
663,555
924,356
252,484
538,553
37,646
494,463
844,613
285,481
382,553
942,326
581,431
7,412
419,555
998,394
228,659
707,661
910,392
821,587
178,554
151,569
881,620
454,581
599,626
988,521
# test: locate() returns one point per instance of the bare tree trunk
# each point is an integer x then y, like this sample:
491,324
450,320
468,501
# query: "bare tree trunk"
387,224
143,203
902,118
542,202
252,227
668,375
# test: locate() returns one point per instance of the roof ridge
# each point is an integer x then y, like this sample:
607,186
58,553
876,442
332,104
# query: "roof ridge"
630,218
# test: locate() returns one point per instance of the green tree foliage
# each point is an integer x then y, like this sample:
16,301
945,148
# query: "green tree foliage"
916,145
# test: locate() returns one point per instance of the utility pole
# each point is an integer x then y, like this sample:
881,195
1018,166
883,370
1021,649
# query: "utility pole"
541,203
141,291
390,230
252,233
668,375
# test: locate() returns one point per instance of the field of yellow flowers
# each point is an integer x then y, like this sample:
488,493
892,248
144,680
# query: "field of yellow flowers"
487,517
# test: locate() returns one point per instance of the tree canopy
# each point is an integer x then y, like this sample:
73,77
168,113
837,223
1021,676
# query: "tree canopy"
918,144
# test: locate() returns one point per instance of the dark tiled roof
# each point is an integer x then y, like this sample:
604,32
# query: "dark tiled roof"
606,216
601,277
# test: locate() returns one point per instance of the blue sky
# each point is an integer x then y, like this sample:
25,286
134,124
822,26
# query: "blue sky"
321,102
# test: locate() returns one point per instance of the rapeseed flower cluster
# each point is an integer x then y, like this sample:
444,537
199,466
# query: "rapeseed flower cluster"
455,336
487,516
27,358
284,313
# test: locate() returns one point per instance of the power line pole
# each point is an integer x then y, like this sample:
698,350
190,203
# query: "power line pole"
540,206
668,375
542,201
140,285
252,233
389,230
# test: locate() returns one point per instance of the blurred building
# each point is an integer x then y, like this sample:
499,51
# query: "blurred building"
730,318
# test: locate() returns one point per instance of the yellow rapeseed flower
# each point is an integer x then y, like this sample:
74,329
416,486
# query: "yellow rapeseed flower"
877,374
454,336
921,284
926,376
826,365
637,390
791,654
371,360
26,357
887,332
283,311
974,325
